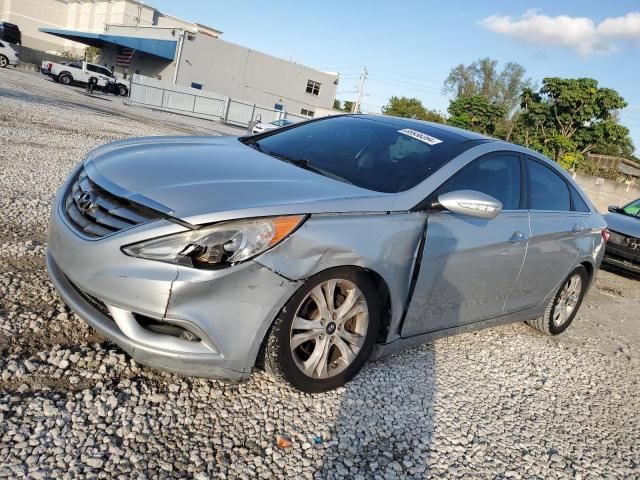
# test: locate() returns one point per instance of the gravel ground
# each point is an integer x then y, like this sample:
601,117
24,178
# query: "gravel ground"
501,403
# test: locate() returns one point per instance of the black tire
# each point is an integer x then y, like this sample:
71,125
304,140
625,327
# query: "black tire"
65,79
546,323
277,357
4,61
122,91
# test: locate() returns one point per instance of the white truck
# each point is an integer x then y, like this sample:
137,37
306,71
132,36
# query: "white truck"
79,73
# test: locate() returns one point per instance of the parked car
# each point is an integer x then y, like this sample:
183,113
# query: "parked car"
266,127
8,56
311,248
623,248
79,73
10,33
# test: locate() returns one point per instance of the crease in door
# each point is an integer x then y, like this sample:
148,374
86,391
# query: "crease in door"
524,259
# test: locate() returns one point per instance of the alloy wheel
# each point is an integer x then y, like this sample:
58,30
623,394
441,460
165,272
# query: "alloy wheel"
567,300
329,328
3,61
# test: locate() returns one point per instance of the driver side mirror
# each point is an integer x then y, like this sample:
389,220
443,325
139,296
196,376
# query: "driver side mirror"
613,208
471,203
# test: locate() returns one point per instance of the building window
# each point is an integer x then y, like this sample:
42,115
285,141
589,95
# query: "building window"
313,87
197,86
307,113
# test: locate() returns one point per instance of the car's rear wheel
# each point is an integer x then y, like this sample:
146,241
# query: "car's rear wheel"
326,331
564,304
4,61
65,79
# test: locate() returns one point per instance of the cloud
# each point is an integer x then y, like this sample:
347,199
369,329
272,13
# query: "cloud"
578,33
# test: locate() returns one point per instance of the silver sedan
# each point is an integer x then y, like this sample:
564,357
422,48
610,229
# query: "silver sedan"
310,249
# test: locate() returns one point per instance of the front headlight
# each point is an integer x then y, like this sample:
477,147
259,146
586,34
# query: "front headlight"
217,245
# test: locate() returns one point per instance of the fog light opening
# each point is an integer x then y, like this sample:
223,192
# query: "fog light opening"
164,328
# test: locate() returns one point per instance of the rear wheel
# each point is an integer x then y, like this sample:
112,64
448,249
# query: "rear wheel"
564,304
325,333
4,61
65,79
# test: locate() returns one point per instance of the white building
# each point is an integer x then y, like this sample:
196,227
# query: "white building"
85,15
137,38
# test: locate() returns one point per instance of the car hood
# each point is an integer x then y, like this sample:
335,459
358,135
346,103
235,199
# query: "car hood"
198,178
623,224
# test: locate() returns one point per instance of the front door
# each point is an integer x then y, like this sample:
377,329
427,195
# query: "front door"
469,265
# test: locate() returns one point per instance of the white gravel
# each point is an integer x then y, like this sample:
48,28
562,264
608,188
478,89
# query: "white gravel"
500,403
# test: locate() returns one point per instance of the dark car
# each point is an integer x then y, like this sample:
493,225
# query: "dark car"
10,33
623,249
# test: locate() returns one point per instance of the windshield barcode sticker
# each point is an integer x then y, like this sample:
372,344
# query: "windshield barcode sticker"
423,137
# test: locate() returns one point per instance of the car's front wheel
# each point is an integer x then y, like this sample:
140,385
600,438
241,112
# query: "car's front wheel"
564,304
4,61
326,331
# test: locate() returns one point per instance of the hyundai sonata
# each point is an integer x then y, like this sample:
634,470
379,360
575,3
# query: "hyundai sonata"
311,248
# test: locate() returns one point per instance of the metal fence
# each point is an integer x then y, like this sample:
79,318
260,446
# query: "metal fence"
157,94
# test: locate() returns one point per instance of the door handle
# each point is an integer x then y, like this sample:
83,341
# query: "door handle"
518,237
577,228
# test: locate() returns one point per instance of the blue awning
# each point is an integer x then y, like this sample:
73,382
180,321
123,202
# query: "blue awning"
160,48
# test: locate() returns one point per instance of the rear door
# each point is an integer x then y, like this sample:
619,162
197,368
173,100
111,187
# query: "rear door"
469,265
559,233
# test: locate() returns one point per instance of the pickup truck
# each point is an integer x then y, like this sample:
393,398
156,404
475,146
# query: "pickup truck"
78,73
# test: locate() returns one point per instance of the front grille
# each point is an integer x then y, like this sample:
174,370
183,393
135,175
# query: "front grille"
97,213
625,242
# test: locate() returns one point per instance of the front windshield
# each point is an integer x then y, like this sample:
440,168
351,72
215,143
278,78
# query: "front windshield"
378,154
632,209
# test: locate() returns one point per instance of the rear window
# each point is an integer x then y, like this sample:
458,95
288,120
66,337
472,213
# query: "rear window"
376,154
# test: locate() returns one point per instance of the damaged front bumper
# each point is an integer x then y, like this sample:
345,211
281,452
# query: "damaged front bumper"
207,323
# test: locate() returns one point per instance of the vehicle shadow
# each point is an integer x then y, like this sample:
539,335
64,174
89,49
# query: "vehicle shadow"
385,422
620,271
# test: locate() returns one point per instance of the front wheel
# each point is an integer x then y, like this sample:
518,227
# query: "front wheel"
122,91
4,61
326,331
564,304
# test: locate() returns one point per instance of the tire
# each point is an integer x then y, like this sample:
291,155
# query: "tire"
122,91
4,61
336,360
557,318
65,79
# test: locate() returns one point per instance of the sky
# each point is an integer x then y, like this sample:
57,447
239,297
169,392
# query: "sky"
409,46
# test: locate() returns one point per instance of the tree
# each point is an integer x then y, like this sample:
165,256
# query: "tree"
571,117
92,54
411,108
337,105
476,113
483,78
347,106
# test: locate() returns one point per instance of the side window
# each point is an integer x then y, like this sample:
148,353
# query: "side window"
578,204
547,189
496,175
92,68
106,72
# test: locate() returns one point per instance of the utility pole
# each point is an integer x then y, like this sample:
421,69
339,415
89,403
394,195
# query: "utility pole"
363,77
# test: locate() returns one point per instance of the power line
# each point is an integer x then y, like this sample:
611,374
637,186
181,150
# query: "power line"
439,82
401,83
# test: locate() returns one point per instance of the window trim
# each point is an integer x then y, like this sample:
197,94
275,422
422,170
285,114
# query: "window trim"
566,182
426,204
313,83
